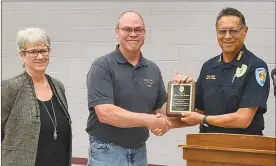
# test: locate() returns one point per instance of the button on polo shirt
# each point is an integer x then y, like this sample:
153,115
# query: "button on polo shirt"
113,80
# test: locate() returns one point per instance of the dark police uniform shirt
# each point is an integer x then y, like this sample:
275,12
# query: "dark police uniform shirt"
113,80
225,87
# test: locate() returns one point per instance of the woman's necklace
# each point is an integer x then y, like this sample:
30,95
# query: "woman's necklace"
54,122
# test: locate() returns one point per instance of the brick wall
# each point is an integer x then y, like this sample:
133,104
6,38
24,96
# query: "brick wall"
180,35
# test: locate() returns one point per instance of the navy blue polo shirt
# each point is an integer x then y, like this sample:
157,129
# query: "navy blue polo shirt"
113,80
225,87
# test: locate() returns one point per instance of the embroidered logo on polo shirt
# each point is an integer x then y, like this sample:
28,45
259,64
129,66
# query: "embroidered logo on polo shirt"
148,82
260,74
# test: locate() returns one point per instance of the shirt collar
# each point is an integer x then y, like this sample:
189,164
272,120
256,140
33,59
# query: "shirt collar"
121,59
237,61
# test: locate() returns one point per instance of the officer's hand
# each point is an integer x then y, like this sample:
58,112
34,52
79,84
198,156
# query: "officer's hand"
179,79
192,118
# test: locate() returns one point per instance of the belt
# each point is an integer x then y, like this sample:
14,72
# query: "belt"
91,137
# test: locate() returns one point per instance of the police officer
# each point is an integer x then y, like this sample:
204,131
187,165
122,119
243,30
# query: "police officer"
233,87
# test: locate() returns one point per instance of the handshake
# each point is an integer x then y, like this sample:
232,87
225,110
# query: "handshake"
159,124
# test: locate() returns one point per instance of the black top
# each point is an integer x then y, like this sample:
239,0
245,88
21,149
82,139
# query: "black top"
113,80
52,152
225,87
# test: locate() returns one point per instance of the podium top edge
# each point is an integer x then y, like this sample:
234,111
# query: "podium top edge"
227,134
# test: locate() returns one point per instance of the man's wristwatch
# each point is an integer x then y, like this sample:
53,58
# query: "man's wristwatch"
204,121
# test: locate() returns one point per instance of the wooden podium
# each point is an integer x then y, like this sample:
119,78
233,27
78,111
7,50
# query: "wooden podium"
213,149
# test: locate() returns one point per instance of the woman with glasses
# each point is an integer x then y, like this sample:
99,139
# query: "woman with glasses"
35,123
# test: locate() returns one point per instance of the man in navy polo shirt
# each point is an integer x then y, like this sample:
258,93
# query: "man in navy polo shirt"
125,91
233,87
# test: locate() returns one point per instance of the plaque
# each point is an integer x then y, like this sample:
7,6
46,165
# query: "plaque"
181,98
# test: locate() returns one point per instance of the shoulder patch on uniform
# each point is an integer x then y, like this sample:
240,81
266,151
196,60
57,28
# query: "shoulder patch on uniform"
260,74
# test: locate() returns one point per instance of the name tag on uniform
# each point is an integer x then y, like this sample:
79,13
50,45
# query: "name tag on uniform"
210,77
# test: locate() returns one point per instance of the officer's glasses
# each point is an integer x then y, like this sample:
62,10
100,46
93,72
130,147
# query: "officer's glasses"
231,31
34,53
137,31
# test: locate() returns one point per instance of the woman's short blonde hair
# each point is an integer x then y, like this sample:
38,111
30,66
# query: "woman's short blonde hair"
32,35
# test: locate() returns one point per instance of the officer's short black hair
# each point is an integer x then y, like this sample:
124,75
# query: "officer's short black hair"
231,12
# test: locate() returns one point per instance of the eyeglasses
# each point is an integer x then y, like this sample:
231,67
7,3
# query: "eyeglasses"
232,31
137,31
34,53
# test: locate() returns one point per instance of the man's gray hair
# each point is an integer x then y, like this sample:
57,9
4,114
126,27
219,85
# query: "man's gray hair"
125,12
32,35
